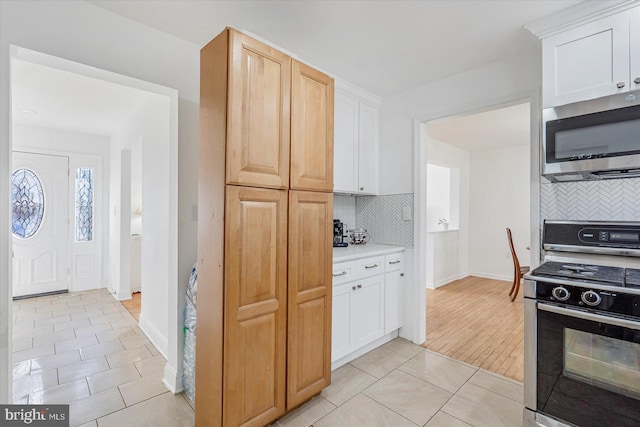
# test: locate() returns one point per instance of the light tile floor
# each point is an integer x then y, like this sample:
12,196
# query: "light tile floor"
85,349
401,384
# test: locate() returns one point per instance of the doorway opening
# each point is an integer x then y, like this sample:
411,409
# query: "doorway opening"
477,184
118,136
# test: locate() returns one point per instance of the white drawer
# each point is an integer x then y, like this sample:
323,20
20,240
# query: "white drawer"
393,262
343,272
369,266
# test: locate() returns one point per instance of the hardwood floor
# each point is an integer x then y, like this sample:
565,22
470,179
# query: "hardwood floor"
473,320
133,305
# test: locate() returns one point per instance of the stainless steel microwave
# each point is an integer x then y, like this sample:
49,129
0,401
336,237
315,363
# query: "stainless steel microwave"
591,140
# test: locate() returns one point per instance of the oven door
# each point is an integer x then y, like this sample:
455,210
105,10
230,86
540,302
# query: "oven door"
588,367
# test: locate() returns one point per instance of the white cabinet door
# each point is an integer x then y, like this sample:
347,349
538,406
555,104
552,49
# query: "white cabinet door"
341,322
635,48
586,62
345,144
392,301
368,150
367,310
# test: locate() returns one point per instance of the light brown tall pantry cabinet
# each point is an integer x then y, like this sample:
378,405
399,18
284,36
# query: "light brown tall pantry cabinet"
265,233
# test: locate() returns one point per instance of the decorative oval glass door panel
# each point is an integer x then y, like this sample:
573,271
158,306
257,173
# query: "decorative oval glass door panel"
27,203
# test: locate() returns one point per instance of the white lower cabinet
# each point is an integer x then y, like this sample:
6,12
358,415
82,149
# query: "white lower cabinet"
367,310
392,301
367,298
341,322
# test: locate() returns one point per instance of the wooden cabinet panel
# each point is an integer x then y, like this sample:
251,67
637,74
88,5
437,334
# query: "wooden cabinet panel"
309,305
311,129
258,114
255,305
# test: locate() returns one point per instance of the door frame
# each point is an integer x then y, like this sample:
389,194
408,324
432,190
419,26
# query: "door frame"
101,202
173,371
418,288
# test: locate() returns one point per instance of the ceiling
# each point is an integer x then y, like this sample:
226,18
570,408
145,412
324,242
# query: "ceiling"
502,127
52,98
385,47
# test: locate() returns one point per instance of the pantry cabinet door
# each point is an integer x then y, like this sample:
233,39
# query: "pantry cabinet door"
309,305
258,121
255,306
311,129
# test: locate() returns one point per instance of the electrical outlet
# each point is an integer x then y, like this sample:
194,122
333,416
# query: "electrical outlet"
406,213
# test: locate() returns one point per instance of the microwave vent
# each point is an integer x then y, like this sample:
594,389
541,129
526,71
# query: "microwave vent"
629,173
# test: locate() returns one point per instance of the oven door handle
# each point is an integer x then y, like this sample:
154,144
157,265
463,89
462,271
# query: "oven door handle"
614,321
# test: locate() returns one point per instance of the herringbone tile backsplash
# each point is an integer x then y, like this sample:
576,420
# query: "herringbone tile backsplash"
609,200
344,209
382,217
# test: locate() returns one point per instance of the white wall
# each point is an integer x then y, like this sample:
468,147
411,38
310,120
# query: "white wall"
500,198
148,127
515,77
81,32
512,78
447,254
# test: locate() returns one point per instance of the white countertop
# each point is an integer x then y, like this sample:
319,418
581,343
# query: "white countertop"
352,252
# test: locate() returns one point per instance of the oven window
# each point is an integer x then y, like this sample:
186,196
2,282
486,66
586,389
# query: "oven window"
605,362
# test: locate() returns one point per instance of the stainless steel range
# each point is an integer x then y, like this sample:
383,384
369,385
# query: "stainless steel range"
582,327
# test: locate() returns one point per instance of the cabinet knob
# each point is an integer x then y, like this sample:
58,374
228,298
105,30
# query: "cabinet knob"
361,188
359,286
637,80
354,288
620,85
401,274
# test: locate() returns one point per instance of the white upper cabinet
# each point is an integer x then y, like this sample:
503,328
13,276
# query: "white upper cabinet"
586,62
635,48
355,139
368,150
345,143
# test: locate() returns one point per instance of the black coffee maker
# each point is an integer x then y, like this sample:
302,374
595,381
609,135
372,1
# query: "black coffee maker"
338,231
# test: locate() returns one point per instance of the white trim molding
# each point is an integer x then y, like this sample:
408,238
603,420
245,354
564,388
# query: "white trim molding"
173,379
581,13
155,336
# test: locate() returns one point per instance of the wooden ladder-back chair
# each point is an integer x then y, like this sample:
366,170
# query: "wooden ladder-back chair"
518,270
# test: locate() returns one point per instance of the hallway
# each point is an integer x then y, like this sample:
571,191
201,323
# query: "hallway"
84,349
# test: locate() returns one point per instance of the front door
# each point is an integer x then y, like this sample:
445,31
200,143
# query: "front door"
40,223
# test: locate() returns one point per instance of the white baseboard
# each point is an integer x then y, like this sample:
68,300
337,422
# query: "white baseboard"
155,336
492,276
445,280
367,348
173,379
123,296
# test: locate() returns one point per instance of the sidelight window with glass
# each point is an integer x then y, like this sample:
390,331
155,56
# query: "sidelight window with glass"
84,204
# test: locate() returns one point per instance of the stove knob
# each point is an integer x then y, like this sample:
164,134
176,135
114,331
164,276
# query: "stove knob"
591,298
560,293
